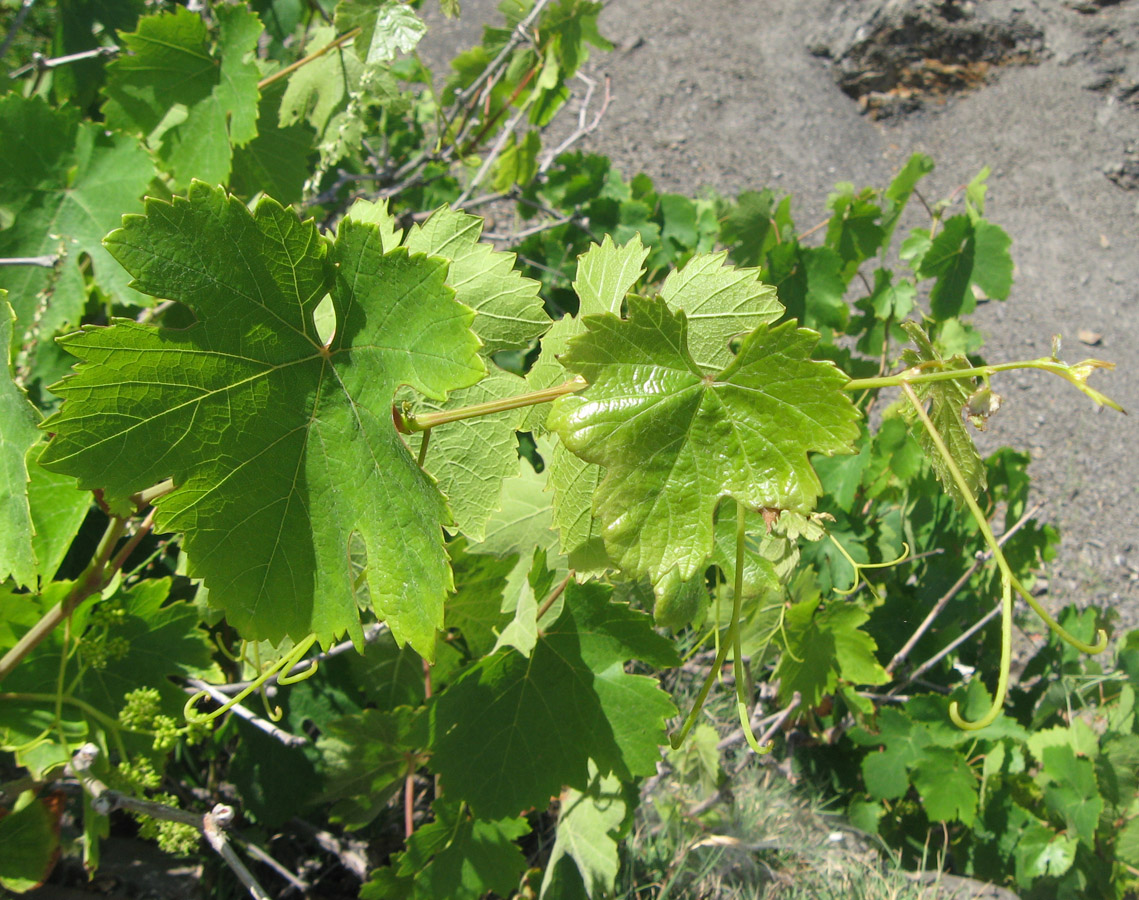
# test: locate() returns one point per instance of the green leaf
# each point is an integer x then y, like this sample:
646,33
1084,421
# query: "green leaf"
476,608
947,786
1127,844
29,845
18,434
309,454
65,184
748,228
897,195
590,824
822,647
277,161
1041,852
518,162
605,275
854,230
946,401
513,731
458,856
965,253
889,300
721,302
386,29
471,458
509,313
171,66
365,760
675,441
1072,792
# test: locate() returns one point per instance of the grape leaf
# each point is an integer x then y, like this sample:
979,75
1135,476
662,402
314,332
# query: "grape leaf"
905,741
946,401
721,302
455,856
676,440
64,184
590,824
18,433
471,458
897,195
605,275
29,845
476,608
386,29
277,160
966,253
365,759
333,92
171,65
513,731
823,647
509,313
947,786
1071,792
281,448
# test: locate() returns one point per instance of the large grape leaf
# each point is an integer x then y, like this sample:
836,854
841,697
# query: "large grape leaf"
282,449
967,251
675,440
514,730
509,310
63,185
171,65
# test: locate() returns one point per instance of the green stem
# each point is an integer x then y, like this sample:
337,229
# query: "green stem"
410,424
1008,579
112,726
93,579
289,69
1076,374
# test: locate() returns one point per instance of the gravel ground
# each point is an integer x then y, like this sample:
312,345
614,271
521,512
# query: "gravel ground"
739,95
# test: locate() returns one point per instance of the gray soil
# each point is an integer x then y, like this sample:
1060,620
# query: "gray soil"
797,95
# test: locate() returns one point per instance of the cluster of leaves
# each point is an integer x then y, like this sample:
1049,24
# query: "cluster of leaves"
333,421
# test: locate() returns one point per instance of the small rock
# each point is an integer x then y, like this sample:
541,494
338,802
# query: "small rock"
1091,338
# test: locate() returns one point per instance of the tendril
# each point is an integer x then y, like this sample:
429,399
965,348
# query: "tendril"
1002,679
283,665
858,567
1009,581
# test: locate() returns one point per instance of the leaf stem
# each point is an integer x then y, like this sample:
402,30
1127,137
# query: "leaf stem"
409,424
304,61
553,598
93,579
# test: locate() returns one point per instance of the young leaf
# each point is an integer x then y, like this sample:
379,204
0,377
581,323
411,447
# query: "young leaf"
513,731
675,440
386,29
823,647
66,183
172,63
946,401
280,448
963,254
947,786
509,313
897,195
721,302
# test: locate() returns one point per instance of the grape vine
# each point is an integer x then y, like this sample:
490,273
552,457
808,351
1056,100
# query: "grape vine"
469,514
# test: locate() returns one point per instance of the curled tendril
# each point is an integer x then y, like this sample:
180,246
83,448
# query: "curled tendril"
1006,662
282,665
1009,581
858,567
